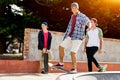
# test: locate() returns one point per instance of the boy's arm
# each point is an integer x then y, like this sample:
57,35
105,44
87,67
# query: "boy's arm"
49,41
101,44
40,46
86,41
85,44
89,25
101,40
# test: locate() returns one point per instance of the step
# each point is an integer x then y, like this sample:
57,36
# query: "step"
19,66
27,66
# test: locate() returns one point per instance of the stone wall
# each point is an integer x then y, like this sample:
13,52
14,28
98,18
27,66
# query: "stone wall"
111,48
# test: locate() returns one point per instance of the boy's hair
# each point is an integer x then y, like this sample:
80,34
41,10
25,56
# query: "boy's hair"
45,23
75,4
94,19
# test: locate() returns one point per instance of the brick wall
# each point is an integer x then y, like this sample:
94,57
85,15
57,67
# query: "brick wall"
111,48
31,64
27,40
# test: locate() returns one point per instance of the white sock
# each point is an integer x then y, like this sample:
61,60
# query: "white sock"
61,63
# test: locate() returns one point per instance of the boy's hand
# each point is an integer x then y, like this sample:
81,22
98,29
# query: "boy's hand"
47,51
44,50
84,51
99,51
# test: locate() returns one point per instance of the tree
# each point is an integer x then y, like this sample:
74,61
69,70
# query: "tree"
57,14
107,13
108,17
3,3
12,23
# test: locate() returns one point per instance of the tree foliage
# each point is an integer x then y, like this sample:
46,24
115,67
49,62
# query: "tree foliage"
12,25
107,13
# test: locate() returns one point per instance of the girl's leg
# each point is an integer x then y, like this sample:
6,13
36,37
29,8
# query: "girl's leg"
89,58
94,50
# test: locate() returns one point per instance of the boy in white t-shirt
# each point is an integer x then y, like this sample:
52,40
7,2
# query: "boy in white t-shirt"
93,43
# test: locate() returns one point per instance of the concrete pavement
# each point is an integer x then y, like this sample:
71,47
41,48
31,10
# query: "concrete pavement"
108,75
29,76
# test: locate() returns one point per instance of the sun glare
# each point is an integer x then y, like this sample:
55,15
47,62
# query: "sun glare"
114,1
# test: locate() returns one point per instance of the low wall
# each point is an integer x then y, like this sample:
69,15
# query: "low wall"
111,48
28,66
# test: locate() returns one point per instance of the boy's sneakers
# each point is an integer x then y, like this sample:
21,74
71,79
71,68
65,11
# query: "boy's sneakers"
73,70
43,72
102,68
59,65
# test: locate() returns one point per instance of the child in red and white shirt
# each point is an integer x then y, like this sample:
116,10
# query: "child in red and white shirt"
44,45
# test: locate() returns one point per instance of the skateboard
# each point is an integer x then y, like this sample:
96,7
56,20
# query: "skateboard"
45,62
103,68
59,68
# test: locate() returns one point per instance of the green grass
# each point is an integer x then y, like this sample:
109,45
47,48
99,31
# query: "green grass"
11,54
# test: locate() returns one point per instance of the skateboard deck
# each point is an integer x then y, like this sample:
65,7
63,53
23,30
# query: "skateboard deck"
45,62
59,68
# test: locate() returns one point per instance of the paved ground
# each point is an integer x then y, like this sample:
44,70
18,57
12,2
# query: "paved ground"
108,75
29,76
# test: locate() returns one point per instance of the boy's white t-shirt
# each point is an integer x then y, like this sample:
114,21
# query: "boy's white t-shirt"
94,37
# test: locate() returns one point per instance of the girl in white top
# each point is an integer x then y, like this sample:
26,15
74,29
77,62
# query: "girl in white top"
93,43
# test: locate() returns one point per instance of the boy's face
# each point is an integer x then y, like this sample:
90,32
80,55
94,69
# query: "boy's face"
74,10
93,23
44,26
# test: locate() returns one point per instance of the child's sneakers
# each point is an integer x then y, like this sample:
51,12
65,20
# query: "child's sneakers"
59,65
43,72
102,68
73,70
